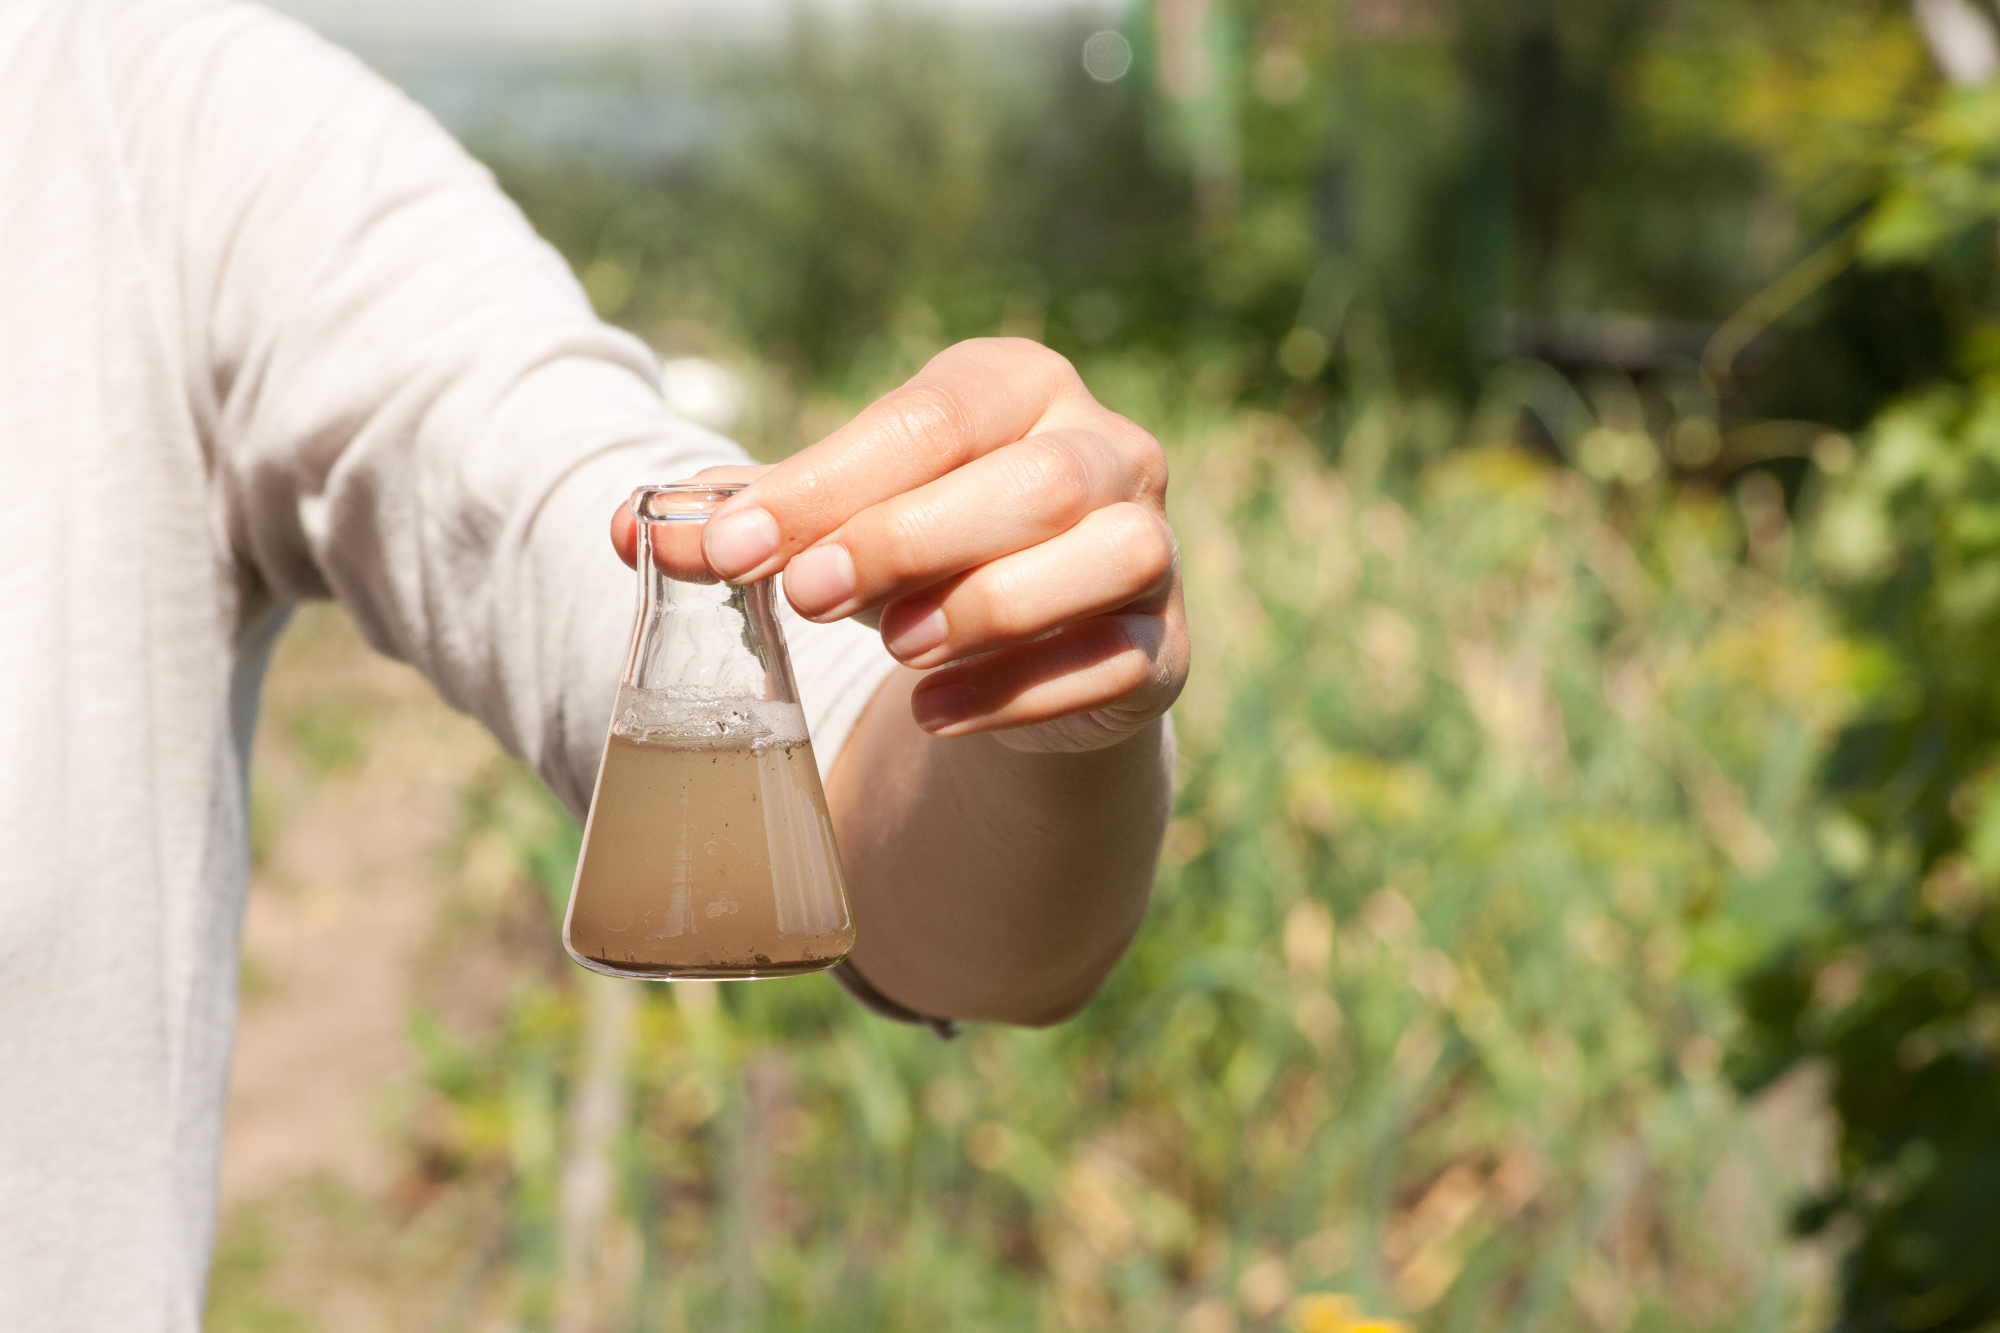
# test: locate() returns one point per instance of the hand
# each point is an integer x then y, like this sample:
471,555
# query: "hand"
1001,529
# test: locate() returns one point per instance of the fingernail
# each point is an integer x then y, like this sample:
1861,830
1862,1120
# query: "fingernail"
820,580
940,705
737,543
918,637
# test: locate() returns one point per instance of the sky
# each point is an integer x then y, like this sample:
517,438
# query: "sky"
375,22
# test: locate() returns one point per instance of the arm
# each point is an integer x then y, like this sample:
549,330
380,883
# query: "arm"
999,815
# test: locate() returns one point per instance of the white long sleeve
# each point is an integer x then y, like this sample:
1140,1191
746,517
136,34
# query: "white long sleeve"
266,334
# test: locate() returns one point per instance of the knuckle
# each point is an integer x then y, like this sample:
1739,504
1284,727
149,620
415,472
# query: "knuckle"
1053,363
1050,471
1145,458
1130,668
933,419
1136,547
805,494
899,546
1044,362
1147,545
1023,349
965,349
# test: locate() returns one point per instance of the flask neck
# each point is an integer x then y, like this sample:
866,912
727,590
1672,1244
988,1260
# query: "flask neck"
696,636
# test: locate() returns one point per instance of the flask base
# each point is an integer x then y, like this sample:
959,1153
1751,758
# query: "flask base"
751,970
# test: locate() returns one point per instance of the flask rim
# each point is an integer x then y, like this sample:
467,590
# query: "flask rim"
691,501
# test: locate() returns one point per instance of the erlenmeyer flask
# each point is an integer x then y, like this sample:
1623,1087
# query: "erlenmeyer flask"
708,852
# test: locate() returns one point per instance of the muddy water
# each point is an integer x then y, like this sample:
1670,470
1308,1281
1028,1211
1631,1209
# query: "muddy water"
708,858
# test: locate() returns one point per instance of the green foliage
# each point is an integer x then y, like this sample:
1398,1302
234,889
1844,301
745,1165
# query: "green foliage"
1296,167
905,181
536,830
1896,987
1947,182
234,1302
331,738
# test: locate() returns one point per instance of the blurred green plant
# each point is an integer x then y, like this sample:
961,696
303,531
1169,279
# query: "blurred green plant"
1448,185
235,1303
1896,985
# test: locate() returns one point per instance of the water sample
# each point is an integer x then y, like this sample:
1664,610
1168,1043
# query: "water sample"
709,852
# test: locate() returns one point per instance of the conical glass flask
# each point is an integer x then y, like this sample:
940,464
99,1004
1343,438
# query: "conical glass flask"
708,852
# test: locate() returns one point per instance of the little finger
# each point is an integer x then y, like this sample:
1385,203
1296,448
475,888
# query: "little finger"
1107,660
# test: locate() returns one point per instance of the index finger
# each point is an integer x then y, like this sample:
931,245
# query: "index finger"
971,399
683,559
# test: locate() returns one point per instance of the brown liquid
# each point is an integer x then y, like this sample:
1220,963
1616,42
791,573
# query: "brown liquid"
708,859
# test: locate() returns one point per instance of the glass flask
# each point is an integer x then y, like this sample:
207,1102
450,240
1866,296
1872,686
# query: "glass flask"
708,852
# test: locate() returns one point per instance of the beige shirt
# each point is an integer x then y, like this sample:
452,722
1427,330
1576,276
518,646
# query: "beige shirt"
266,334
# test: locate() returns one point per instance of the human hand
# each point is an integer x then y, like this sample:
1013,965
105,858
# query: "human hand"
1001,529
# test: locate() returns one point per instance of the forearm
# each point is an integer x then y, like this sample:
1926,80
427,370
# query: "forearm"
988,883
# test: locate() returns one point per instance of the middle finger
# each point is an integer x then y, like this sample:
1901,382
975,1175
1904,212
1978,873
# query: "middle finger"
1118,558
1006,501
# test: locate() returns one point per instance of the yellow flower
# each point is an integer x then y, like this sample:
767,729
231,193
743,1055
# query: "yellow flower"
1331,1313
1323,1314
